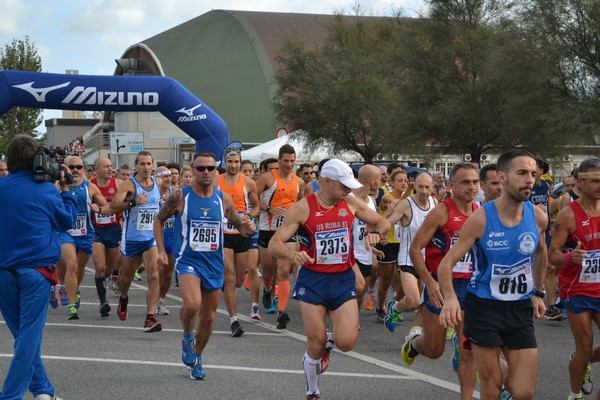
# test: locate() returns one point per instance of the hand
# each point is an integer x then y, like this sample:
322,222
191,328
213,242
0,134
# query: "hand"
163,259
378,253
451,313
248,227
63,180
278,211
372,239
141,199
578,254
95,207
539,308
301,258
435,295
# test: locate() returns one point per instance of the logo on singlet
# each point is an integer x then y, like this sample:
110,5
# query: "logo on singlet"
205,211
526,243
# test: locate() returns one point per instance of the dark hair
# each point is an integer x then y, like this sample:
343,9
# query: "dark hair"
286,149
142,153
244,162
173,166
396,173
124,166
588,164
305,165
460,165
484,170
543,165
392,166
505,159
204,154
321,163
20,152
264,163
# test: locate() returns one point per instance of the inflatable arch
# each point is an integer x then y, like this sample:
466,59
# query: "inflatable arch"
117,93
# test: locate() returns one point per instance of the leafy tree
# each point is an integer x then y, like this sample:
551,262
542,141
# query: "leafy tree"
343,92
472,82
19,55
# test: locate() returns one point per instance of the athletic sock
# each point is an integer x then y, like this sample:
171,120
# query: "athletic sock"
232,319
101,288
312,370
576,396
284,295
188,337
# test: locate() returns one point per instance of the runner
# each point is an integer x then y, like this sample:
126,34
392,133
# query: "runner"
166,270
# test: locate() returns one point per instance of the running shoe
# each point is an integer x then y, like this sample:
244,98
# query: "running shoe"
449,333
141,269
114,283
72,314
506,395
409,354
254,313
282,320
46,397
187,352
379,315
62,293
313,396
104,310
370,300
273,309
326,356
137,277
196,371
162,309
267,299
247,282
152,325
587,386
455,352
552,314
53,298
574,398
236,329
390,320
122,309
77,299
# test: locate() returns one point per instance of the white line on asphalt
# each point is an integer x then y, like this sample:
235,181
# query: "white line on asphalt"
223,367
358,356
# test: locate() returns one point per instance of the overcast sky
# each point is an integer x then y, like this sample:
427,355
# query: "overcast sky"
87,35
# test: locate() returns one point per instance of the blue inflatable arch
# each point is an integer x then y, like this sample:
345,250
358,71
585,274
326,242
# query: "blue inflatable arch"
117,93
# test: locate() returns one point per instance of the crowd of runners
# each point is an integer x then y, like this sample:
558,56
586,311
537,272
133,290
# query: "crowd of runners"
476,254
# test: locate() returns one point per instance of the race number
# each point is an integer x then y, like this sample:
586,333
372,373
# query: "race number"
333,247
146,218
511,282
590,268
465,264
205,235
80,228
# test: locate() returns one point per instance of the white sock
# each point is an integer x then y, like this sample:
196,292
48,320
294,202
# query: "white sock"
312,370
232,319
576,396
330,344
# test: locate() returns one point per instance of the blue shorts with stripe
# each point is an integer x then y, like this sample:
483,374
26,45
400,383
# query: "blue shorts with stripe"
208,282
329,290
460,288
132,248
84,243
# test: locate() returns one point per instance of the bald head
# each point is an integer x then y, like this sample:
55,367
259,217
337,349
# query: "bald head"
370,176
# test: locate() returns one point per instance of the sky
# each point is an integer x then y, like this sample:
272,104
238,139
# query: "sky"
87,35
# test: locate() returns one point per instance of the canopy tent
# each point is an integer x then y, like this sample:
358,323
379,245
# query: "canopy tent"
270,149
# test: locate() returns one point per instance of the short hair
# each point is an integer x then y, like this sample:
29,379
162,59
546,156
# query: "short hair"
143,153
264,163
305,165
393,166
244,162
20,152
321,163
204,154
588,164
125,166
484,170
505,159
286,149
173,166
543,165
458,166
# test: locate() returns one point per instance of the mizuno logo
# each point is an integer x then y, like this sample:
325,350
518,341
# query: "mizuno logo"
40,93
190,114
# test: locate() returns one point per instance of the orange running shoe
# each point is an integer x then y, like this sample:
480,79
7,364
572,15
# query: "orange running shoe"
370,300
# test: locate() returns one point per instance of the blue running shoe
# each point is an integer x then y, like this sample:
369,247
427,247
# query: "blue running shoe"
72,313
505,395
53,298
196,371
273,309
77,299
187,352
62,293
455,352
391,319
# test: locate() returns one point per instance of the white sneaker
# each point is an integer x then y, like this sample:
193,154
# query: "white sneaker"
46,397
162,309
254,313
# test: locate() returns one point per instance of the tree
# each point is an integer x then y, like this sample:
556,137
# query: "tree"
343,92
19,55
472,81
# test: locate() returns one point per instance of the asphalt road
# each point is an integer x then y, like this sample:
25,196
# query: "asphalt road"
95,358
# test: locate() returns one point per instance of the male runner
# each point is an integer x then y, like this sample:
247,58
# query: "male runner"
166,271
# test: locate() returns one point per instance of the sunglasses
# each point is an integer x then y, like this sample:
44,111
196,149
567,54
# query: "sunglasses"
202,168
72,167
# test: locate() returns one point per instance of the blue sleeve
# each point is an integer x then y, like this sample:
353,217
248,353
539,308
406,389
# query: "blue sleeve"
65,211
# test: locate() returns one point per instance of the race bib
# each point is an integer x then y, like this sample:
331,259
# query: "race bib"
205,235
590,268
464,265
146,218
170,223
276,222
511,282
397,230
105,219
80,228
333,247
228,226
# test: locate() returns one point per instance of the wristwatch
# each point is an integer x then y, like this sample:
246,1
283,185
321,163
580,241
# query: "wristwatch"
539,293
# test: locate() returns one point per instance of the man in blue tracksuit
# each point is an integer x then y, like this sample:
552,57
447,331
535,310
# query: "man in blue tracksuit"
31,215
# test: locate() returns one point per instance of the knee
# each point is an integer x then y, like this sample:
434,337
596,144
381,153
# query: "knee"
412,303
346,343
153,276
525,393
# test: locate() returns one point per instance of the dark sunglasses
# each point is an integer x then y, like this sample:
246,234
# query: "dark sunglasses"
72,167
202,168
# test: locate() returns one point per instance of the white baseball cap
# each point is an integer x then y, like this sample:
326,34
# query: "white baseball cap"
338,170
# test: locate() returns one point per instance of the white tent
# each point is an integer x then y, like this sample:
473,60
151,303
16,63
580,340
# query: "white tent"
270,149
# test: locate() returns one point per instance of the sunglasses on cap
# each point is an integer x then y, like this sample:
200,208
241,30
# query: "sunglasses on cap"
72,167
202,168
